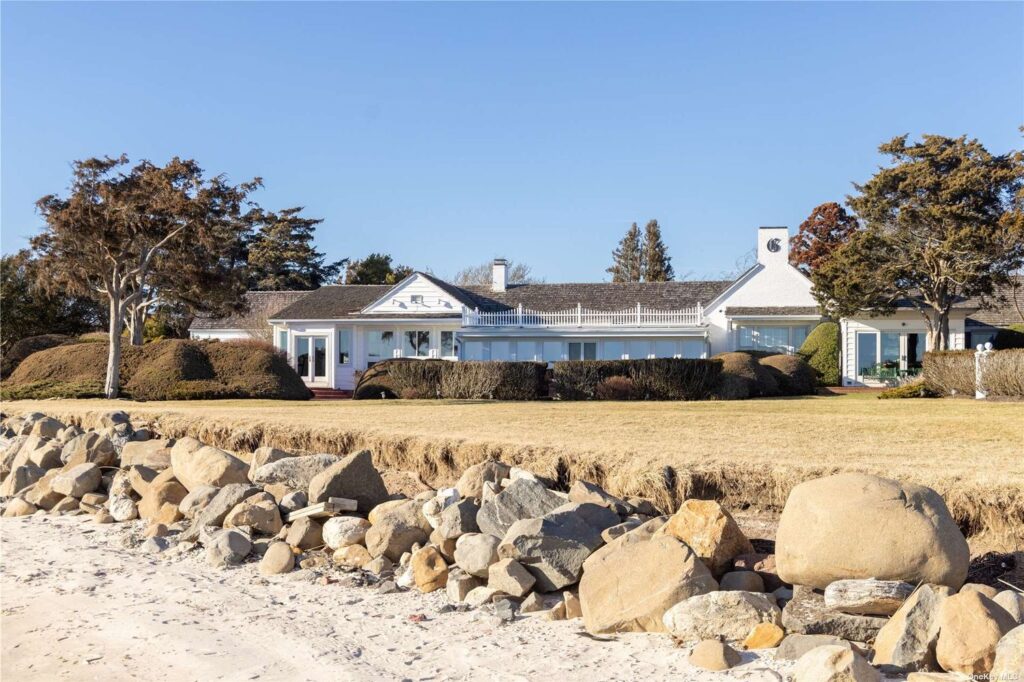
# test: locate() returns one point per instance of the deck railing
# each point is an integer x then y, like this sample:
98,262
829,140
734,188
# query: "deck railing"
579,316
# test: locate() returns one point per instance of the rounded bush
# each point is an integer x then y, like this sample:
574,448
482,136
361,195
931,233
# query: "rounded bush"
743,377
23,348
792,373
821,351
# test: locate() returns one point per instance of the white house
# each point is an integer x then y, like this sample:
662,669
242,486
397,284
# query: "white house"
336,331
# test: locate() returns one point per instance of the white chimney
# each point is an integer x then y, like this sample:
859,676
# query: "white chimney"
499,274
773,246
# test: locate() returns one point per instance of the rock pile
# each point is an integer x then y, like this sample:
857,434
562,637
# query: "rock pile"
867,576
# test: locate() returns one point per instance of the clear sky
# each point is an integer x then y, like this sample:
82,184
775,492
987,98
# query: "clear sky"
447,134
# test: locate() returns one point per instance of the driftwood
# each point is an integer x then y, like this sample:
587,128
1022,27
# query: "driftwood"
867,597
333,505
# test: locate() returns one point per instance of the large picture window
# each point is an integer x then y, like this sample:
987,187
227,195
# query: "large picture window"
417,344
344,346
449,349
775,338
379,346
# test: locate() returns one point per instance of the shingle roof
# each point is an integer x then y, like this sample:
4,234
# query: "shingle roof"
1002,309
260,305
333,302
768,311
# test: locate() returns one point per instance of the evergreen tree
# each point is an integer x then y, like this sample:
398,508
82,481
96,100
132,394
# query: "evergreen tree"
375,269
657,264
627,259
282,255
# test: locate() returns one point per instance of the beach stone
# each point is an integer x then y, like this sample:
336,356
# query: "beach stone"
140,477
41,493
1009,659
258,512
618,530
429,570
20,478
228,547
114,418
509,576
341,531
479,596
763,565
155,454
907,641
628,586
597,517
970,627
832,663
122,508
102,516
433,507
556,612
379,566
764,636
206,466
292,501
20,507
533,603
552,548
66,504
742,581
711,654
353,477
154,545
880,528
1013,603
409,512
305,533
294,472
265,455
392,536
583,492
457,519
807,614
226,499
89,447
460,583
197,500
47,427
277,559
867,597
353,556
796,645
446,546
475,552
711,531
35,450
161,501
725,615
523,499
156,530
76,480
94,499
471,483
986,590
573,607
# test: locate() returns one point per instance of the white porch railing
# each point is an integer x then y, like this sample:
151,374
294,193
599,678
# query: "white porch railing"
583,317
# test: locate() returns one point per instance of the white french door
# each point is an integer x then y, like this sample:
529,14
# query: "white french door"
311,358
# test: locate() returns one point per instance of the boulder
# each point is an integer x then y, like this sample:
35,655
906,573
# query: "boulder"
197,500
76,480
460,584
155,454
475,552
46,454
352,477
89,447
807,614
458,519
20,478
206,466
122,508
429,570
793,646
907,641
552,548
47,427
713,655
867,597
861,526
66,504
523,499
292,501
20,507
629,585
711,531
433,507
832,663
277,559
352,556
720,615
161,502
483,595
581,492
1013,603
764,636
228,548
763,565
446,546
1009,659
305,533
985,590
114,418
392,537
970,627
294,472
140,477
226,499
471,483
342,531
258,512
573,608
509,576
619,529
265,455
741,581
41,493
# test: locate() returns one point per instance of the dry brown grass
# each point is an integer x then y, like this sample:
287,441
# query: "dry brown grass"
746,453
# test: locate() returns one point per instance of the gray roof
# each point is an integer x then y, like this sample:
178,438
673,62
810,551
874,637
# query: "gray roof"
333,302
259,306
768,311
1002,309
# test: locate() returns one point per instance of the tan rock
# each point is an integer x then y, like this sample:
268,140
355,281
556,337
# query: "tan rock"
341,531
720,615
206,466
67,504
265,455
907,641
258,512
42,494
986,590
89,447
475,552
155,454
102,516
711,531
277,559
140,476
880,528
20,478
76,480
556,612
1012,602
355,478
713,655
573,608
831,663
509,576
741,581
764,636
970,627
161,501
47,427
867,597
353,556
156,530
471,483
1009,659
429,570
305,533
446,546
460,584
19,507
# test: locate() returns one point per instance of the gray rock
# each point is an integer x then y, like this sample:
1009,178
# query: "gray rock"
458,519
907,641
77,480
807,614
471,483
226,499
155,545
294,501
796,645
197,500
726,616
1012,602
505,610
523,499
581,491
89,447
475,552
741,581
552,548
354,477
392,537
265,455
460,584
122,508
228,548
294,472
867,597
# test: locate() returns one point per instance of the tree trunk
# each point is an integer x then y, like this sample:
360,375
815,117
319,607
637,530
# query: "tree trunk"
944,329
110,388
137,324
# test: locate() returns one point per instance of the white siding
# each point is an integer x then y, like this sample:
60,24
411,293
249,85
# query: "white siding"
432,299
909,322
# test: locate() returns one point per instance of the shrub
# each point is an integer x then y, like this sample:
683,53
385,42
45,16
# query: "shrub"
23,348
1004,373
616,388
913,389
471,381
950,371
821,351
792,373
94,337
744,377
422,377
655,379
1009,337
457,380
375,382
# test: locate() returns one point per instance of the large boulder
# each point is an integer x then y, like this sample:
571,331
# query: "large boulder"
162,501
47,427
582,491
861,526
40,451
155,454
277,559
305,533
258,512
293,472
228,548
197,500
1013,602
354,478
89,447
392,537
458,519
833,663
342,531
76,480
720,615
806,613
206,465
629,585
471,483
907,641
475,552
429,570
20,478
970,627
711,531
1009,658
522,499
265,455
42,494
226,499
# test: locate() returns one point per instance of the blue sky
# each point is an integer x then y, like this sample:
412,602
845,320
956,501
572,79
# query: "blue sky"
447,134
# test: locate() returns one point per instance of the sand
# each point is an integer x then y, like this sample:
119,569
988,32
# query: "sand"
82,601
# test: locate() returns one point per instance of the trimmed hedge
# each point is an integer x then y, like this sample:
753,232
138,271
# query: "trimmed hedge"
792,373
655,379
950,371
821,351
744,377
23,348
417,379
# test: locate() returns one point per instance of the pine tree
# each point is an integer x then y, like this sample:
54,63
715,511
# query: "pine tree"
657,264
627,259
282,255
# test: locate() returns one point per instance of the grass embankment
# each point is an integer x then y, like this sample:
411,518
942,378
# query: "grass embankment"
742,452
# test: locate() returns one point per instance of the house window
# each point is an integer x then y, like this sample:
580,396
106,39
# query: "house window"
779,339
344,346
552,351
449,349
583,350
639,350
379,346
664,349
417,343
417,299
613,350
282,340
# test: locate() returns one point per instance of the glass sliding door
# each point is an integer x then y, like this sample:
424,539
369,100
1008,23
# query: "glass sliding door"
311,358
867,353
915,351
302,356
890,350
